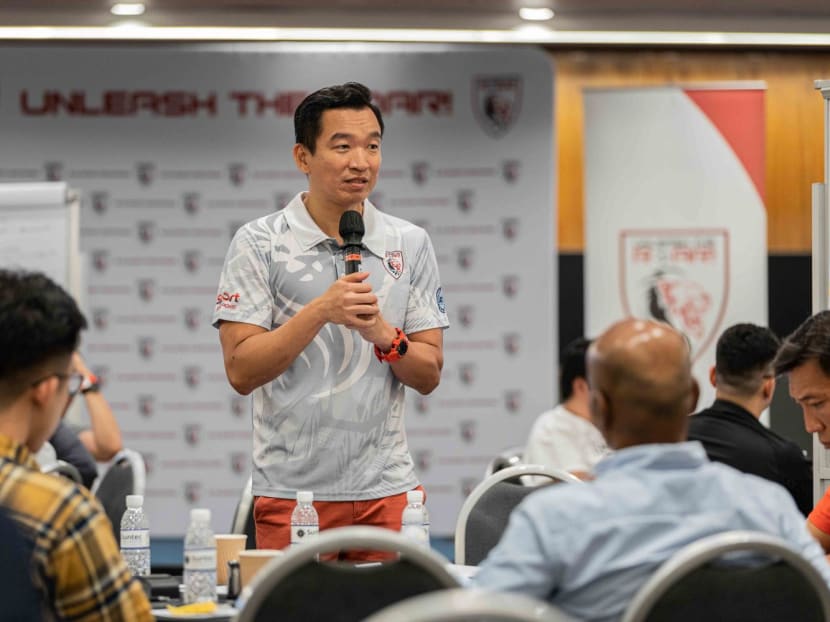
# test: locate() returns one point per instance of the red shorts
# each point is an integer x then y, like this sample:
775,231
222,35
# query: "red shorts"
273,519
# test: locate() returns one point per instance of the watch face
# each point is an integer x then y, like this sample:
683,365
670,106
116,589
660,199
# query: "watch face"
403,346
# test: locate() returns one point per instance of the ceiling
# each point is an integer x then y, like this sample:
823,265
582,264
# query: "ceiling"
784,16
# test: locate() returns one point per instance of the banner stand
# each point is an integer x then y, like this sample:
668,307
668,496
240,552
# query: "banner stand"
821,276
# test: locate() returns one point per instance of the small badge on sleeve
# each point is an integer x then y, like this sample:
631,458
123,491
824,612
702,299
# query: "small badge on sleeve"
439,299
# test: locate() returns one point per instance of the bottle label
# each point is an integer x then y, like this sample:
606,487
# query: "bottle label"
135,538
299,533
200,559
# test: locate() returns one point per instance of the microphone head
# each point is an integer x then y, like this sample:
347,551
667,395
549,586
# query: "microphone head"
351,228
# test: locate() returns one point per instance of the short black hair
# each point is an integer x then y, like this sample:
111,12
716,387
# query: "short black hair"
38,321
307,116
743,357
811,340
572,366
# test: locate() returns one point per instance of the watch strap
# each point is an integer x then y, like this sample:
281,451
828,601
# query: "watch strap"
400,344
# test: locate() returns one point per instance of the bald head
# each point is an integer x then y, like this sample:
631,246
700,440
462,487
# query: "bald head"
641,382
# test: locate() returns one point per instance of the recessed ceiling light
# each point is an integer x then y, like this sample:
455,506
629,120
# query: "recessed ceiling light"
127,8
536,14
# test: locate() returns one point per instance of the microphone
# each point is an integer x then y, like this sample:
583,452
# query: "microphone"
352,230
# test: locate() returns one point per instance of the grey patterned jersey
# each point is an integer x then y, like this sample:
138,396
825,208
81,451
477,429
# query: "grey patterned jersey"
333,422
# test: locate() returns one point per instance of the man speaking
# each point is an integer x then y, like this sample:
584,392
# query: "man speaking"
328,350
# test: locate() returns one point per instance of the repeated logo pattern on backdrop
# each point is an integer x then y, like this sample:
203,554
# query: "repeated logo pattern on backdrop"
170,162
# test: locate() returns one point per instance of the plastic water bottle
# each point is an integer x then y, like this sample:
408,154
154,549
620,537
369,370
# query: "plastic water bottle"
415,518
199,559
135,537
304,520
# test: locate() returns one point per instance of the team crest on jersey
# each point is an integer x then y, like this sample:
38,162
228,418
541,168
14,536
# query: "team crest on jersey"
394,263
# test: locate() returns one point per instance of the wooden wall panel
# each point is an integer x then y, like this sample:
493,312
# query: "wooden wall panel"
794,124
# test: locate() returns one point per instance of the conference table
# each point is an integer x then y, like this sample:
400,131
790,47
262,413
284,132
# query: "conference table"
164,590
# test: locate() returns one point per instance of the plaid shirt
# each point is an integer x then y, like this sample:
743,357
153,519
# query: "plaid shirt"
76,564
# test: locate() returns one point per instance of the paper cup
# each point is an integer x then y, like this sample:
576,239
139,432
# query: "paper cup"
251,561
228,547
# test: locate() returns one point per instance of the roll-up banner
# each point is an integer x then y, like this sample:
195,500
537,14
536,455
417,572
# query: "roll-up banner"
675,217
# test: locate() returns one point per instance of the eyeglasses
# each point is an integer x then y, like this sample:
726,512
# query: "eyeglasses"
74,381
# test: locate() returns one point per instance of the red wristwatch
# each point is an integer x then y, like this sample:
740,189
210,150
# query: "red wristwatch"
399,347
91,384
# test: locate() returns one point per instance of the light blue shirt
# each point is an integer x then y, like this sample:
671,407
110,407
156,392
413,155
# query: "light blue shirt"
589,547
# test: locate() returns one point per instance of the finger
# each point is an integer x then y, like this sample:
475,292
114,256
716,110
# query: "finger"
355,277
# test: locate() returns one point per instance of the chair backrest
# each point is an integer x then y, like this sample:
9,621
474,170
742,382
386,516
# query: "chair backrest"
296,587
705,581
243,515
126,475
485,512
512,456
63,468
460,605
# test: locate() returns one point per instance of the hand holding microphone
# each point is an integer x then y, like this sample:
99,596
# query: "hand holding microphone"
352,230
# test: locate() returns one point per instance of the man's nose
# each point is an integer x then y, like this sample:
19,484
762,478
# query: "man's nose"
812,424
359,159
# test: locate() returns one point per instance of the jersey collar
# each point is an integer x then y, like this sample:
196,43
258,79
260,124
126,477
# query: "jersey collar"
308,234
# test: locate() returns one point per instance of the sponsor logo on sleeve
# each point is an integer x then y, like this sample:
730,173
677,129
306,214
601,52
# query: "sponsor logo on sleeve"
439,300
226,300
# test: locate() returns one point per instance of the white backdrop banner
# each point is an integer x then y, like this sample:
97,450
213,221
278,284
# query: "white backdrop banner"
175,147
675,216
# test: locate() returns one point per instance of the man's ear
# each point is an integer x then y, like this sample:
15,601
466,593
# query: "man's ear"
43,392
301,157
694,395
601,415
768,388
580,386
713,377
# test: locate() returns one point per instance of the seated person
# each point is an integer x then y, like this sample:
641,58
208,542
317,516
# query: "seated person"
805,358
564,438
589,547
103,438
83,448
75,563
730,430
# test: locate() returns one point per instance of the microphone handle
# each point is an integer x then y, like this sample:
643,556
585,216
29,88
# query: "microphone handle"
352,257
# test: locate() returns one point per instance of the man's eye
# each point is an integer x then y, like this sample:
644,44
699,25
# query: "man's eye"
818,404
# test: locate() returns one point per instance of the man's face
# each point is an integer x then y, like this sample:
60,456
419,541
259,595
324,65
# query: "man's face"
343,169
810,388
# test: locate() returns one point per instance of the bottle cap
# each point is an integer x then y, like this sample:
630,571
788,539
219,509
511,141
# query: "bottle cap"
415,496
305,496
135,501
201,515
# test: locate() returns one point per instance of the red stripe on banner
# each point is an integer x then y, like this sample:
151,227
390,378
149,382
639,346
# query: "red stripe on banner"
738,114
